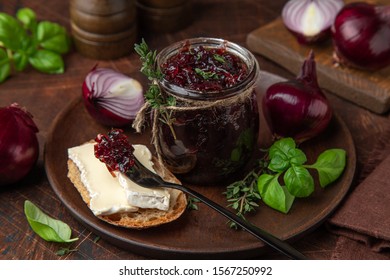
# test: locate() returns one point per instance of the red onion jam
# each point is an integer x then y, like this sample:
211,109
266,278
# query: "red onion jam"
204,69
216,119
115,151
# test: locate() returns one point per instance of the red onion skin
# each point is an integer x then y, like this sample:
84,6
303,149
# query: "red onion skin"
297,108
102,115
354,40
19,147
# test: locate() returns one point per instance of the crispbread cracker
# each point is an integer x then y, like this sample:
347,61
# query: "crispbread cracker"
143,218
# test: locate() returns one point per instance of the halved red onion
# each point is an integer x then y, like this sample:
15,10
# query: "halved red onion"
310,20
361,36
112,98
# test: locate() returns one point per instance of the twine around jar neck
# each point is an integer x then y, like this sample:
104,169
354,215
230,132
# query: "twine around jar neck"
190,105
184,104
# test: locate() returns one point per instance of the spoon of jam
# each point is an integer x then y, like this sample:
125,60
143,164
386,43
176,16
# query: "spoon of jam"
117,153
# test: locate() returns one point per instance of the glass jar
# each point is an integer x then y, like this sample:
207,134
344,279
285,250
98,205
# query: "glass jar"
212,135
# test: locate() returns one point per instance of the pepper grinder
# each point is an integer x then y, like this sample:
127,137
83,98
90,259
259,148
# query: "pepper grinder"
103,29
164,15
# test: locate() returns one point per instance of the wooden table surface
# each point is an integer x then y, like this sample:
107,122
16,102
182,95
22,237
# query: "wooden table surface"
46,95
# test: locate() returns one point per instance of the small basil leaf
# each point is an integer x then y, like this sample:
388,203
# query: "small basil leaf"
12,33
27,17
297,156
282,147
298,181
52,36
279,163
46,227
273,194
330,165
27,45
280,153
5,67
20,60
47,62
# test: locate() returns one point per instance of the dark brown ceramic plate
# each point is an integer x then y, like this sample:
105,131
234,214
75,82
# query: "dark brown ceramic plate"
202,233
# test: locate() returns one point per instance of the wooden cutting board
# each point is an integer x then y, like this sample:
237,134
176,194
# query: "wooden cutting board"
370,90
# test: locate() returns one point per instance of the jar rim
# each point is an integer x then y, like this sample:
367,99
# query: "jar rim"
244,54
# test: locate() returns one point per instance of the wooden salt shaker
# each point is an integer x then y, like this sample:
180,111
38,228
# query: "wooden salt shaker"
103,29
164,15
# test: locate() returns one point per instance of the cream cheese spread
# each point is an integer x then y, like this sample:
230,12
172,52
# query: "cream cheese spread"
118,194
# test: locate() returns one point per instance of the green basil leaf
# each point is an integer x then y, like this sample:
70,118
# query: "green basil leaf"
282,147
283,153
12,33
298,181
280,153
47,62
20,60
52,36
279,163
296,156
46,227
27,46
21,56
27,17
330,165
273,194
5,66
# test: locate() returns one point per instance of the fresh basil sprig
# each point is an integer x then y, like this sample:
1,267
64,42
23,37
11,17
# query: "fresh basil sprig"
46,227
24,41
287,166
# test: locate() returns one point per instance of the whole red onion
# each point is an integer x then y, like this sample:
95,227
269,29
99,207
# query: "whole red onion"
19,148
112,98
361,36
297,108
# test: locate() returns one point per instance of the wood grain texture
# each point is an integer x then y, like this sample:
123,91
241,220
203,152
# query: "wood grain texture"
47,95
367,89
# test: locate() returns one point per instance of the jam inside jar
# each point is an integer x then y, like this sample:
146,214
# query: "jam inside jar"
213,127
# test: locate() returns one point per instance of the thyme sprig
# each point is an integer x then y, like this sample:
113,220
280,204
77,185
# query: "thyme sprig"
153,94
192,203
243,195
65,251
148,59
